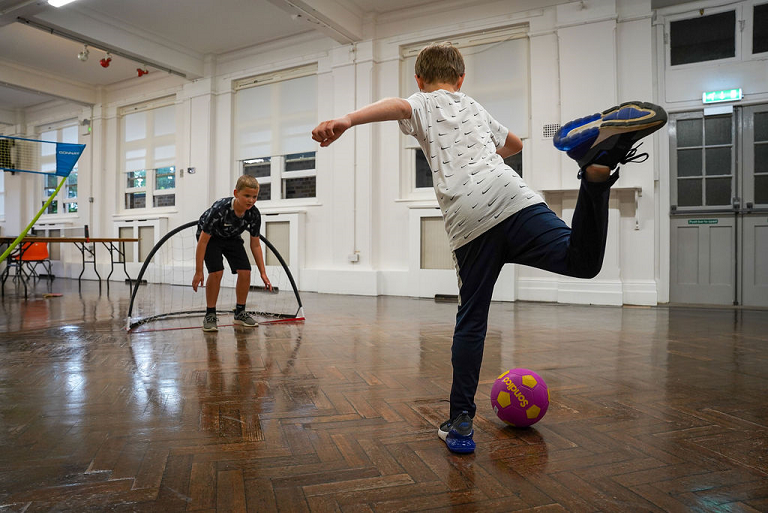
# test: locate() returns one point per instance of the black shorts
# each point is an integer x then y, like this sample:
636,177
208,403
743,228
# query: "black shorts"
233,249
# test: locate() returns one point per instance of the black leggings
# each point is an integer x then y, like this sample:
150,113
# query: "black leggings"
536,237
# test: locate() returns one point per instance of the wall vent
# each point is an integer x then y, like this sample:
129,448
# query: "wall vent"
549,130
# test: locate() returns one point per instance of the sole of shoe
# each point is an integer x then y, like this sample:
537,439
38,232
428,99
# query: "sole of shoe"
241,323
641,117
460,444
210,329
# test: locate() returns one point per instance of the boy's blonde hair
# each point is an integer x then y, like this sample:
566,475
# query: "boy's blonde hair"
247,182
440,63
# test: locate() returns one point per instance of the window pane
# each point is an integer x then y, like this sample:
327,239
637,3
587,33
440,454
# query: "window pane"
135,200
265,191
705,38
260,168
165,155
166,200
761,158
761,126
70,207
135,159
689,163
165,178
718,130
760,29
718,191
164,120
761,189
69,134
136,179
689,193
718,161
135,126
423,172
72,185
49,149
300,161
52,208
299,187
689,133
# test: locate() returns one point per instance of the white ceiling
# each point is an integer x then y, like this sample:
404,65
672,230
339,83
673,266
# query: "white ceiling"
166,35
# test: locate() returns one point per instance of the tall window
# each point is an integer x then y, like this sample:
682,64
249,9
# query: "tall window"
66,201
705,161
149,155
274,115
719,33
704,38
496,66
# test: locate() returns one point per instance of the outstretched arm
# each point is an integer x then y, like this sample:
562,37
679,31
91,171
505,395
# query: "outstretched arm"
388,109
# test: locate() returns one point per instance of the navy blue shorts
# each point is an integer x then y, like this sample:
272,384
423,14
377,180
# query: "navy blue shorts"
234,251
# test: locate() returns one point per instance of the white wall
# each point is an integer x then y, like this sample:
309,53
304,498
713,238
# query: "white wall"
585,57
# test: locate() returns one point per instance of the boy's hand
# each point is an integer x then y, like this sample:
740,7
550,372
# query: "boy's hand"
197,279
267,283
328,131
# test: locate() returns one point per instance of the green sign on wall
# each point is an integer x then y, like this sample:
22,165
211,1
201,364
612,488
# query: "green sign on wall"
702,221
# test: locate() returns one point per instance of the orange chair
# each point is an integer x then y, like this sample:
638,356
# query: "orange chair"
24,261
34,254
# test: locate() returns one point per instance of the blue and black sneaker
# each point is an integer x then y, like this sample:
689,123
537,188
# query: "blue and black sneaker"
608,138
457,434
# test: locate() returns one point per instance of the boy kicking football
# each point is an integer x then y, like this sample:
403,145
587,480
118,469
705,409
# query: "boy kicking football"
491,216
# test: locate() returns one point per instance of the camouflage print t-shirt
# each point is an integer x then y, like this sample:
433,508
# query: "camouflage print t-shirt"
221,221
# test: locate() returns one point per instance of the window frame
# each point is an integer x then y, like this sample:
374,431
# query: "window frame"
148,144
750,30
61,199
278,173
410,146
741,39
674,148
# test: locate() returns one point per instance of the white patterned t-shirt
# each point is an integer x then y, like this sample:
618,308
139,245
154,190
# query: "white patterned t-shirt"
475,189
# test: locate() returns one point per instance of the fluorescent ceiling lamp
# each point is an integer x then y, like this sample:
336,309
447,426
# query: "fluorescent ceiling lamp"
59,3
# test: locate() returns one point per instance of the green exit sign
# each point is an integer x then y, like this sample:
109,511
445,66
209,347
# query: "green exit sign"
726,95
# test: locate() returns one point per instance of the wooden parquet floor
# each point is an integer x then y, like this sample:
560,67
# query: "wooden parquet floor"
652,409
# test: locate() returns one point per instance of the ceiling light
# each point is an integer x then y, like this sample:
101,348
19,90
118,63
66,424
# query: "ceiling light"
59,3
83,56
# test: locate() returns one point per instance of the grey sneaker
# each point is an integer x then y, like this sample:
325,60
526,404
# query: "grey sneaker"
457,434
209,323
608,138
244,319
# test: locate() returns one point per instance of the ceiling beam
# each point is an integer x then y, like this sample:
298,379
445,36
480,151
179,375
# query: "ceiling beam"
14,75
108,35
327,17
